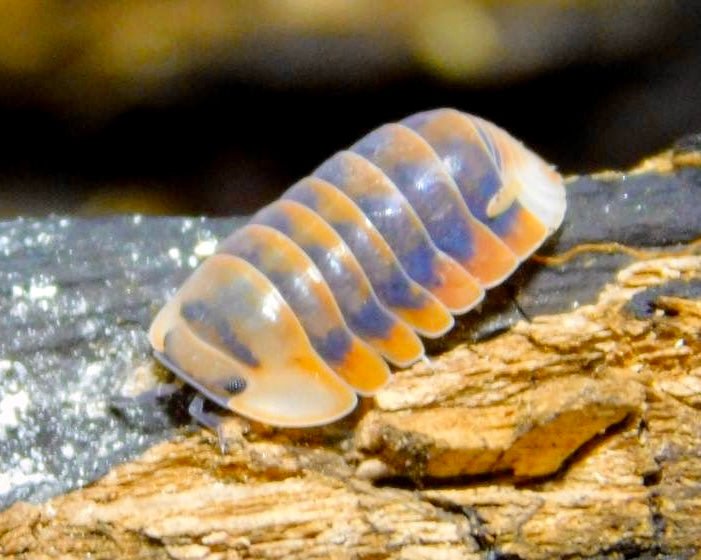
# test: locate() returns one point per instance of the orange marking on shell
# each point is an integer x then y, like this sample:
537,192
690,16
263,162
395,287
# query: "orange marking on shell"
527,233
459,291
402,347
361,368
488,265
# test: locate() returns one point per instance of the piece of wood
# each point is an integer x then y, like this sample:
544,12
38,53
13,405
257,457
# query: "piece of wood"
572,434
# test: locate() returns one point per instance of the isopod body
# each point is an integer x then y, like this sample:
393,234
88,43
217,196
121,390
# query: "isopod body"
303,308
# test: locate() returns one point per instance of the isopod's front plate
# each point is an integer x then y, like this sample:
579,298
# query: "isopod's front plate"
304,289
229,333
414,167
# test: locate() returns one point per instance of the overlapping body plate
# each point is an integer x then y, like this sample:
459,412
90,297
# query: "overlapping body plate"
403,296
303,287
491,191
363,311
414,168
390,212
300,309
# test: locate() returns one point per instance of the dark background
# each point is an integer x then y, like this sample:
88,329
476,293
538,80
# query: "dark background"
216,107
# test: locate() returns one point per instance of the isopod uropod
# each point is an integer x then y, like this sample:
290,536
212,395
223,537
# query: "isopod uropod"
301,309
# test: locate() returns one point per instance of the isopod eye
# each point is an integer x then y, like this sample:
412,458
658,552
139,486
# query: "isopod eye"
235,385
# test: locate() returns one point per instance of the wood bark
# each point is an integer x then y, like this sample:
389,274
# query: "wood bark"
570,435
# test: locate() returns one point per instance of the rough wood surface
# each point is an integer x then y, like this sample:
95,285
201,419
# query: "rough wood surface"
574,434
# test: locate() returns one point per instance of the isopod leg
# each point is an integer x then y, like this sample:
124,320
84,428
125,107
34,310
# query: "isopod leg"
160,391
210,420
148,397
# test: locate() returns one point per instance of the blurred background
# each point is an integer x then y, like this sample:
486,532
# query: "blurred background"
216,106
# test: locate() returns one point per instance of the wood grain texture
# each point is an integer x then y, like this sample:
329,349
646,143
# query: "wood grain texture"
573,434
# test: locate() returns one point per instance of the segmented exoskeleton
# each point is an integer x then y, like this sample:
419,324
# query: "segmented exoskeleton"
383,243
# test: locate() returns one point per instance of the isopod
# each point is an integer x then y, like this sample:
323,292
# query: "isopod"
303,308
